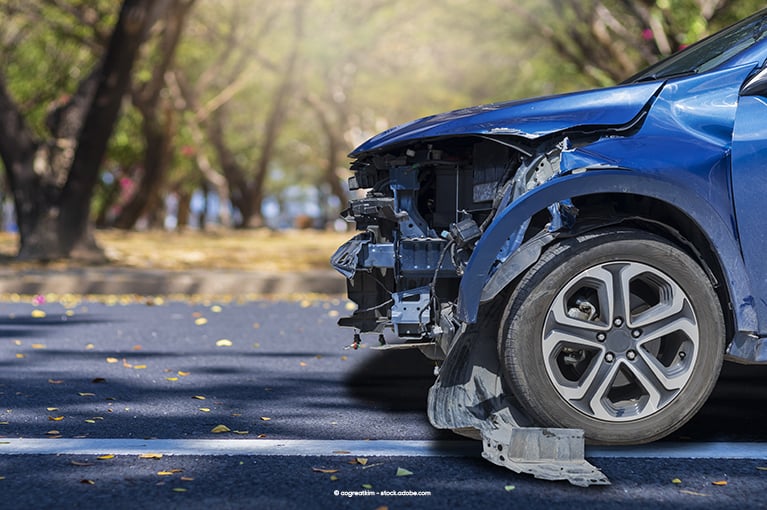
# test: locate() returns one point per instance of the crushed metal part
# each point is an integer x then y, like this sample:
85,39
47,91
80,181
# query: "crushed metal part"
546,453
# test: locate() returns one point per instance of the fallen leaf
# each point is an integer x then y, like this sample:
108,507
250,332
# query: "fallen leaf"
38,346
198,397
367,486
165,473
182,373
361,460
205,409
241,432
88,482
20,355
303,364
218,429
179,489
261,436
150,456
265,418
55,381
51,409
89,347
137,347
340,452
509,488
719,482
86,394
224,343
761,468
215,309
324,470
333,478
139,367
52,433
186,478
372,465
81,463
55,418
90,421
106,457
403,472
98,380
171,379
38,314
201,321
112,360
676,481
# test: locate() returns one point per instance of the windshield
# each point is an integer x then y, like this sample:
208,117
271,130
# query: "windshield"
709,52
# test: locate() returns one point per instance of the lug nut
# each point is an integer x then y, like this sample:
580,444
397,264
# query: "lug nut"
618,322
609,357
682,355
601,337
636,333
631,355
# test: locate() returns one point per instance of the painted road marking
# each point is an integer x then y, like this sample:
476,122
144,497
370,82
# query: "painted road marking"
372,448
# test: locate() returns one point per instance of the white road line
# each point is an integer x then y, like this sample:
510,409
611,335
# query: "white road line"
286,447
372,448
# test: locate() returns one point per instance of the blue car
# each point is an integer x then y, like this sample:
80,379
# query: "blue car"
583,261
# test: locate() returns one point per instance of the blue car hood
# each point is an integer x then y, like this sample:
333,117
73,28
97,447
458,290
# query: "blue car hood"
527,118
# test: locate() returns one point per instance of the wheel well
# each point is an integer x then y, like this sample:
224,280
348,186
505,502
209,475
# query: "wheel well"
665,220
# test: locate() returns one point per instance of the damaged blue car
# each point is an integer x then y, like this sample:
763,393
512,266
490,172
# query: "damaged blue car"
581,261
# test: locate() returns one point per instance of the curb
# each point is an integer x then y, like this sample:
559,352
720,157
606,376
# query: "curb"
162,283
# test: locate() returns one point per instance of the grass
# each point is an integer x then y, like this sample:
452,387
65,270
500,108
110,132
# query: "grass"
250,250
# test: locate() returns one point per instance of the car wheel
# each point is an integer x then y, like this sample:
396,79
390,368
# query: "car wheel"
617,332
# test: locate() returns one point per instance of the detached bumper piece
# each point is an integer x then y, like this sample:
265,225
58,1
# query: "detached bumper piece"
548,454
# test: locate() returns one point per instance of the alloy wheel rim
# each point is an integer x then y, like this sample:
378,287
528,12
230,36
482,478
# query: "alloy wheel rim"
620,341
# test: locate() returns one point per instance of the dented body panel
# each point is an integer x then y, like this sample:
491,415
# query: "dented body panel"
529,118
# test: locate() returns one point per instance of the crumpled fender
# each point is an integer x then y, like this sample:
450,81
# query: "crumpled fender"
719,233
528,118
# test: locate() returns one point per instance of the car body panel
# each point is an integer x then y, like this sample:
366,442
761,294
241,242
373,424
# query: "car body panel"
720,232
682,152
530,118
749,182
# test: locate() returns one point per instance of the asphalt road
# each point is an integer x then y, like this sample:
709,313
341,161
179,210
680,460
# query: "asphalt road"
278,371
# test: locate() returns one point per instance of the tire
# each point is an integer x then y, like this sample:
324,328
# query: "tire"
576,356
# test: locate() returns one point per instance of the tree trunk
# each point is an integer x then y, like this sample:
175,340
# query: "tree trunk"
274,123
159,123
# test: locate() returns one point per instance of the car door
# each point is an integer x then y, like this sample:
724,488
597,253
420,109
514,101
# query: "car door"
749,186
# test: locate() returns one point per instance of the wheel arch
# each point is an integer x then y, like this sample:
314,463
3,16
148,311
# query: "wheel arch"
614,196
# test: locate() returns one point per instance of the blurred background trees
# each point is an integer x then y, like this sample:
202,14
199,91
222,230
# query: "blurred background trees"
240,113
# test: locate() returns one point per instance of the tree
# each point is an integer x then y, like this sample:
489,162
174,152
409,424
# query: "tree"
158,118
52,190
610,40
